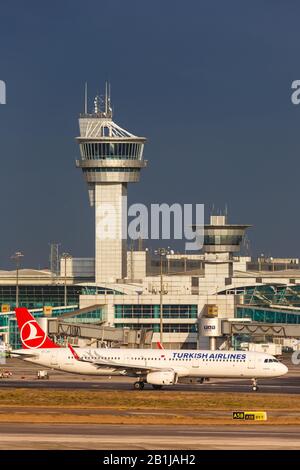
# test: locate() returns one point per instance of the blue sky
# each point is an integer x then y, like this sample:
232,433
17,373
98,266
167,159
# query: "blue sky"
207,82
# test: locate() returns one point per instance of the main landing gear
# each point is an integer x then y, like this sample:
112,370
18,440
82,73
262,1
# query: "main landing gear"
139,385
254,385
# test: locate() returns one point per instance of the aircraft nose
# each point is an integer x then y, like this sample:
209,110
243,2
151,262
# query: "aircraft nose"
283,369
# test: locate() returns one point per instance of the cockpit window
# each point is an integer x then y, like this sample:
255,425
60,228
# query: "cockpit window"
271,360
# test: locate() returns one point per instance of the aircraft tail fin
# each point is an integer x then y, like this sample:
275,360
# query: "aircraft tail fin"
32,335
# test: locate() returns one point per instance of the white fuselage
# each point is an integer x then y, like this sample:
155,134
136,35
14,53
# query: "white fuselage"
185,363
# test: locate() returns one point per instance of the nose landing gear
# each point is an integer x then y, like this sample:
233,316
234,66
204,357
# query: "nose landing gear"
254,385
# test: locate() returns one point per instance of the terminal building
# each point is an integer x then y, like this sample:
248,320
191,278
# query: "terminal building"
214,298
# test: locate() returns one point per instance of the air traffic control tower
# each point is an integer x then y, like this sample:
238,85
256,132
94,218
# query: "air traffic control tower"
110,157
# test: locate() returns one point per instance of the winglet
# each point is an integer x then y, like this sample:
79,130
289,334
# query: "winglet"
74,353
159,345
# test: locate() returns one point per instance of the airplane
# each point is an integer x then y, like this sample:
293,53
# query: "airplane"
157,367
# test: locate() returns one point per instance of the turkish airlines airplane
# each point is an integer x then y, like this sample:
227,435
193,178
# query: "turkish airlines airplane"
157,367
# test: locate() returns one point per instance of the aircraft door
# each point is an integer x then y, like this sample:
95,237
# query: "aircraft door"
251,360
68,359
195,363
54,359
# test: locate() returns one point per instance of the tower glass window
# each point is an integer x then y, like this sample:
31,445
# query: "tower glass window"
112,150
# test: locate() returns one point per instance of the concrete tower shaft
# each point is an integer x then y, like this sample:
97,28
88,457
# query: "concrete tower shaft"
110,157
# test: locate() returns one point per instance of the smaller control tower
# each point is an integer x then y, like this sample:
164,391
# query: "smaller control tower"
221,241
110,158
221,237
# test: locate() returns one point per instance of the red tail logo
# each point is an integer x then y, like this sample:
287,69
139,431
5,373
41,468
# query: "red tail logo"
32,335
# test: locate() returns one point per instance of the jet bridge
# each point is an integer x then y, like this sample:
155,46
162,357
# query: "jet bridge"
72,327
283,330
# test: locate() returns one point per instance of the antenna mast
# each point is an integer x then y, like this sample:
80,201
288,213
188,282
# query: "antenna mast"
86,98
106,98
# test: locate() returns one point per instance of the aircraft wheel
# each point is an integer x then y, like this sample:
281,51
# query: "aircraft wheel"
157,387
138,385
254,385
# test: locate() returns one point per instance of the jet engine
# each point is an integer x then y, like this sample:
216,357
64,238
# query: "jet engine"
162,378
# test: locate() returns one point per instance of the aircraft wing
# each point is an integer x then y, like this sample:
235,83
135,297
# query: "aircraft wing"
20,354
117,365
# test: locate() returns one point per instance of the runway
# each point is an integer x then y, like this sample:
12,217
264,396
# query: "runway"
289,385
79,435
110,437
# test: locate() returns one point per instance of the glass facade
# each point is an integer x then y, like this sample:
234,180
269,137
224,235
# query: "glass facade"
34,297
267,294
94,316
39,296
167,328
153,311
92,290
268,315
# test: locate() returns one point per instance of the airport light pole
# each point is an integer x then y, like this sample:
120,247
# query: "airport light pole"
161,252
65,256
17,257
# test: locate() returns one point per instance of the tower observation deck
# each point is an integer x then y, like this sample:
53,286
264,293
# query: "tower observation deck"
110,157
